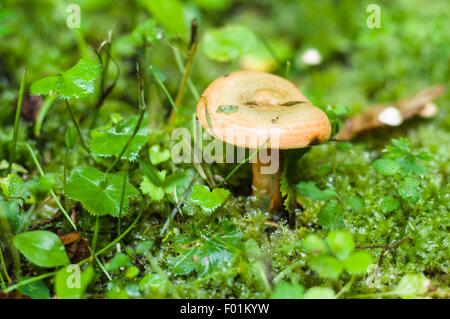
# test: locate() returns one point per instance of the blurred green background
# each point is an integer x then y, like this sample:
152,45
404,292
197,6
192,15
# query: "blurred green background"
358,64
354,65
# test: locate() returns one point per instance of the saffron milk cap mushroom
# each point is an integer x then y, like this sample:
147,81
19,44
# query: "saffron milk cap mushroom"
255,109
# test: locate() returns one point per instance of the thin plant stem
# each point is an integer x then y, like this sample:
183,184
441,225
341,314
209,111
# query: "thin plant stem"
192,88
286,270
177,207
16,120
192,50
75,122
122,197
125,147
163,87
162,273
242,163
65,178
5,270
41,172
2,281
94,239
142,108
288,70
99,263
8,235
346,288
104,93
101,251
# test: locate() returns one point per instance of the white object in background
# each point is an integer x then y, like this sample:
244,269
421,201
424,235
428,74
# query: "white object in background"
429,110
311,57
391,116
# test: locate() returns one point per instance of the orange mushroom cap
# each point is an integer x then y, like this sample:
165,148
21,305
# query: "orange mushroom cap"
248,108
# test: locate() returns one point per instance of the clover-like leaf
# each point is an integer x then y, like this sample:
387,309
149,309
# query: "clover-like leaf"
341,243
358,262
154,190
327,267
208,201
76,83
157,155
109,141
42,248
98,192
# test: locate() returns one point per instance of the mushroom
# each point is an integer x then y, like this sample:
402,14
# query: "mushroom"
260,110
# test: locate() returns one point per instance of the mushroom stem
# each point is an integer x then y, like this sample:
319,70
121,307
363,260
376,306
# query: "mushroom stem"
268,185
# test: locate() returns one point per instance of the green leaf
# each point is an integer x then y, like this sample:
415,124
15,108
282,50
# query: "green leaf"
386,166
327,267
389,204
180,180
42,248
99,193
319,293
131,272
71,282
154,285
314,244
144,246
408,166
147,30
341,243
155,192
412,286
233,41
169,13
70,136
358,262
402,144
45,86
340,109
330,215
110,140
157,156
288,291
76,83
310,190
208,201
424,156
355,202
35,290
409,190
209,251
118,261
